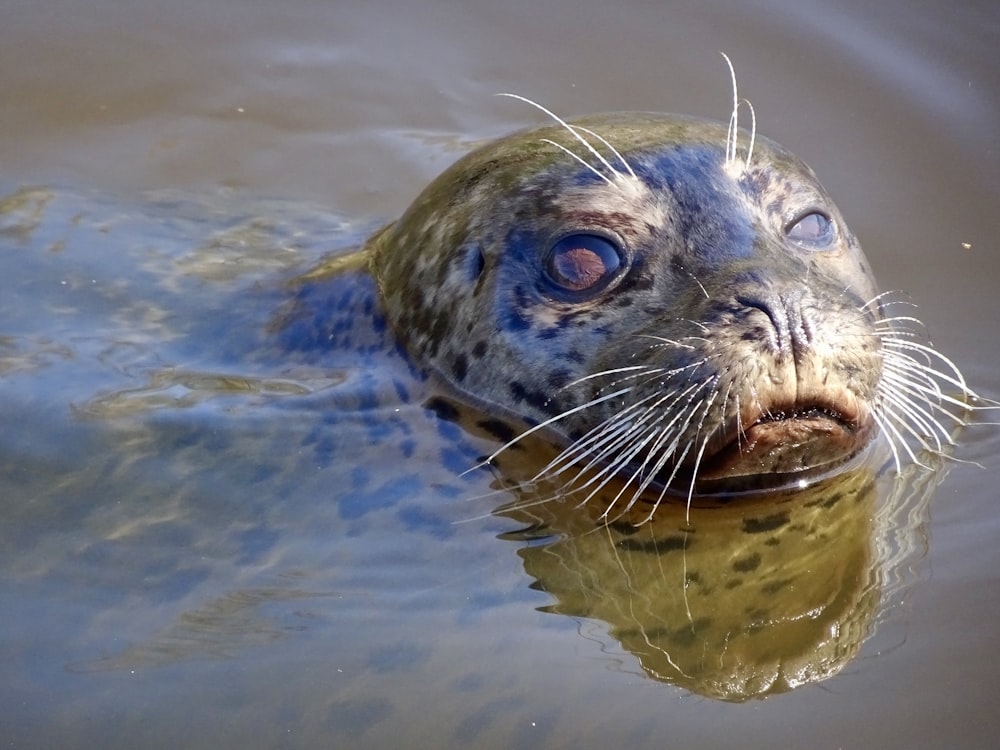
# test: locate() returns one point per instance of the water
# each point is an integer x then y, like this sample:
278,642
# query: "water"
199,546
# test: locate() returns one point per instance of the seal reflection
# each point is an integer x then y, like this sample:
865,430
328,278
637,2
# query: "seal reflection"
743,599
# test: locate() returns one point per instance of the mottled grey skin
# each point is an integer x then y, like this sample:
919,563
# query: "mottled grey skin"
712,290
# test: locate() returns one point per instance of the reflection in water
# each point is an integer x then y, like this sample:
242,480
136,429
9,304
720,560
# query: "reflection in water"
750,598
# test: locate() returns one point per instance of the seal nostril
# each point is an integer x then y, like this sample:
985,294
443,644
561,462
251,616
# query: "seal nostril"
769,304
792,333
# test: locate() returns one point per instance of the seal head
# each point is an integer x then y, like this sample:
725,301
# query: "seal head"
671,312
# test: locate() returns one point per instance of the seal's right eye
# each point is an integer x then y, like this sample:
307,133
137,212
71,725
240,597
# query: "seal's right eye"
582,263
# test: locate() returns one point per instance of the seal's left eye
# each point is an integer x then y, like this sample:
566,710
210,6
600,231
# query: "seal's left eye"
582,263
813,230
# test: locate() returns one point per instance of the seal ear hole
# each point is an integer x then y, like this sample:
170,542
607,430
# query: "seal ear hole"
581,265
475,261
813,230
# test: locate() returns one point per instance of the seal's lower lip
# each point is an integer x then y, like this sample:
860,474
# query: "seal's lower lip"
785,446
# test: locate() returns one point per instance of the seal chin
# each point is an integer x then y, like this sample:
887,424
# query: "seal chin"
785,447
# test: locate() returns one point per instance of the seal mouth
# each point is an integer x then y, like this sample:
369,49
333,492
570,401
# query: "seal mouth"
784,446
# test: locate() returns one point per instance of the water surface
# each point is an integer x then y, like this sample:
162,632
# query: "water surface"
199,547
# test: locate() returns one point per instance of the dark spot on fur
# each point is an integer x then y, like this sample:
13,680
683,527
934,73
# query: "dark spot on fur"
513,321
442,409
537,399
767,523
754,184
499,429
559,378
641,283
747,564
401,391
459,367
480,349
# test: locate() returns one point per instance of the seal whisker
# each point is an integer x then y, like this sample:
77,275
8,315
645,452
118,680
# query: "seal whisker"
610,471
669,453
956,379
880,297
664,455
611,148
888,423
666,341
753,135
734,117
642,374
888,325
701,451
605,434
694,477
740,429
603,442
594,442
580,159
907,377
880,420
612,371
908,398
613,459
902,334
704,328
542,425
912,413
900,424
888,299
569,128
661,462
734,123
648,474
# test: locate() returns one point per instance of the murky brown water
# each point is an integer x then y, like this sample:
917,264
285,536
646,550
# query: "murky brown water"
183,563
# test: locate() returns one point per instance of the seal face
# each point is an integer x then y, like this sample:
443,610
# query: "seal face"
671,313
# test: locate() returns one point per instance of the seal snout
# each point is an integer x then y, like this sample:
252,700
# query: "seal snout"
794,410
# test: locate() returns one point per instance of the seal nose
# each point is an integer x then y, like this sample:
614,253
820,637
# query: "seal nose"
790,331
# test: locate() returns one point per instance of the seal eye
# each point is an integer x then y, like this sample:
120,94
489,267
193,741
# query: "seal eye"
813,230
582,263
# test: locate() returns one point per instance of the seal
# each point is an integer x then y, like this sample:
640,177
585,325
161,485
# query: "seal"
677,301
